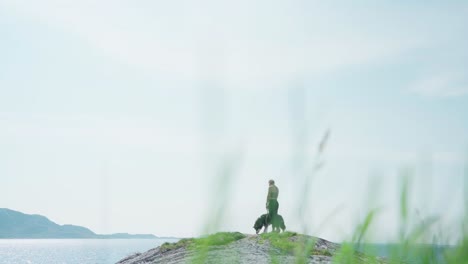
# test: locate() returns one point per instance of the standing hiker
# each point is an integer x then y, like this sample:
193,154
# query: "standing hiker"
272,199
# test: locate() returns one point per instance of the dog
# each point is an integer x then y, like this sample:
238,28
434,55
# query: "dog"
264,221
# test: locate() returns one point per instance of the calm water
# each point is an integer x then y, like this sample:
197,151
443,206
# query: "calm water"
72,251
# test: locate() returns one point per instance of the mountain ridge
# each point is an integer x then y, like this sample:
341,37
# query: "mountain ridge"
18,225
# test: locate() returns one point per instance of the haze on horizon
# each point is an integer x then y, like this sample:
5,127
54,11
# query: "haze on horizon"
117,116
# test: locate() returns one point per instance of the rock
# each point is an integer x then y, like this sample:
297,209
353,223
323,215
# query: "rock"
251,249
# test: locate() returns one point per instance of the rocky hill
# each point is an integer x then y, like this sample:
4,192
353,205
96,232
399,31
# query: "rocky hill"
286,247
14,224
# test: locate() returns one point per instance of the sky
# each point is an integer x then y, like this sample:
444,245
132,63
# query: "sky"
150,116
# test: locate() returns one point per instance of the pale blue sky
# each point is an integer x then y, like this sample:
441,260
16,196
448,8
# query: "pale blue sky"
113,115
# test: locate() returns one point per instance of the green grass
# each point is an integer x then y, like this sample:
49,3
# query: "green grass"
292,243
414,244
413,231
202,245
185,242
218,239
281,241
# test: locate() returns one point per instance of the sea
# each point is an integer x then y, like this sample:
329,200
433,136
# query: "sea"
73,251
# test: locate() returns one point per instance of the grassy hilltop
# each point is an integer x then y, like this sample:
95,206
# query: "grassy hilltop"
224,247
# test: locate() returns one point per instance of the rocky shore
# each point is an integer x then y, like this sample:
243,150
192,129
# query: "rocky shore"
240,248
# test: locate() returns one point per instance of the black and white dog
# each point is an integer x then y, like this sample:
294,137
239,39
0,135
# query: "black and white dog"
264,221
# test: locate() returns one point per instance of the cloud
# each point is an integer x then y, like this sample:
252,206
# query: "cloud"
441,85
216,43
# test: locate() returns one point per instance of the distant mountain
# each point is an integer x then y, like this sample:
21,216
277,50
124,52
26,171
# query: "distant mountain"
14,224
